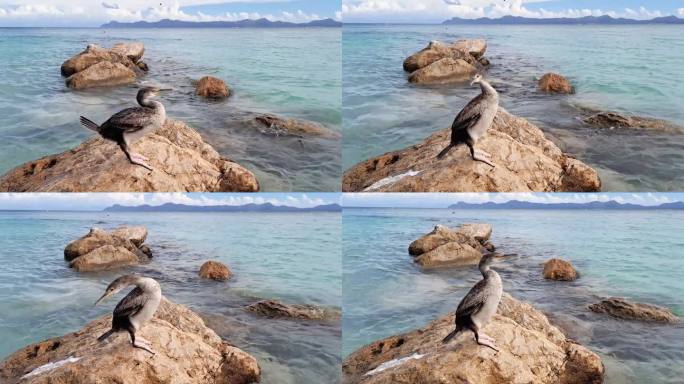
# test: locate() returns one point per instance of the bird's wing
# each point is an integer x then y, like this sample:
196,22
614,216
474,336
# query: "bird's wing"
469,115
473,301
131,304
131,119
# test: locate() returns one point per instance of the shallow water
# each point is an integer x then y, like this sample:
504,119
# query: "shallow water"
295,73
637,255
290,257
632,69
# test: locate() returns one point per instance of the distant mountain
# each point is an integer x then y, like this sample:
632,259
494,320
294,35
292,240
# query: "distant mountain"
267,207
599,205
247,23
587,20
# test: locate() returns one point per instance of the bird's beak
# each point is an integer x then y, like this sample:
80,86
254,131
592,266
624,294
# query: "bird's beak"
472,82
102,298
165,89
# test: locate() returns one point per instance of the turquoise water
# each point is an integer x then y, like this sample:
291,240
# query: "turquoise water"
291,72
290,257
631,69
637,255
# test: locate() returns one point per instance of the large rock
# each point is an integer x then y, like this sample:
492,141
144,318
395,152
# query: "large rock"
95,239
480,231
275,309
215,270
612,120
188,352
554,83
104,258
451,247
101,250
134,51
102,74
100,67
526,161
182,162
449,255
468,50
475,47
441,235
136,235
443,71
557,269
531,351
278,126
212,88
623,309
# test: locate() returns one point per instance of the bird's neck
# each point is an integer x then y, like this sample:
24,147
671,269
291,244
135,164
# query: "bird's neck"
149,103
486,271
487,89
145,284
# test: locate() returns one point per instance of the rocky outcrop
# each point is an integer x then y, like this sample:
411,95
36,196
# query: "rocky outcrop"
554,83
275,309
531,351
451,247
215,270
611,120
100,67
188,352
278,126
182,162
101,250
623,309
557,269
211,87
526,161
439,63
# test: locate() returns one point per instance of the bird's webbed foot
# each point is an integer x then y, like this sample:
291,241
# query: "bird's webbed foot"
487,341
140,160
483,157
144,345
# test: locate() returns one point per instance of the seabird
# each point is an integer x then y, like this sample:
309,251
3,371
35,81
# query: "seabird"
474,120
135,309
480,304
129,125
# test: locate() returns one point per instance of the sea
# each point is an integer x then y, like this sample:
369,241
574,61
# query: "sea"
292,72
634,70
638,255
290,257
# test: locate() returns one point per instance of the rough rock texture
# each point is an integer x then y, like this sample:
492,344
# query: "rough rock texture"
436,51
526,161
212,88
616,120
182,162
278,126
276,309
554,83
557,269
444,71
451,247
623,309
101,250
532,351
215,270
475,47
100,67
187,353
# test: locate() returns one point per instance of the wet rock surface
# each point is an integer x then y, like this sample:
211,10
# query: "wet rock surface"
561,270
101,67
627,310
215,270
612,120
212,88
555,83
273,125
441,63
275,309
101,250
446,247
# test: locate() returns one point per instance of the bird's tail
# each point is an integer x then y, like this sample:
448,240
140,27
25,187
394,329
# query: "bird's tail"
89,124
451,335
106,335
445,151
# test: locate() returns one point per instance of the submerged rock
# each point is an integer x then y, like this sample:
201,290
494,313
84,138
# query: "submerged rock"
100,67
451,247
557,269
531,351
214,270
617,120
187,352
623,309
276,309
275,125
526,161
100,250
554,83
182,162
211,87
443,71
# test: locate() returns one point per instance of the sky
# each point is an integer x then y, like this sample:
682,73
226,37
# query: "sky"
99,201
436,11
93,13
443,200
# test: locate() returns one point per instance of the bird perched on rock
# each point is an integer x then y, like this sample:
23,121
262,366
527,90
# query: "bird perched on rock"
135,309
480,304
474,120
131,124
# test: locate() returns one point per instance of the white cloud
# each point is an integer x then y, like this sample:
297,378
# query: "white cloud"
680,12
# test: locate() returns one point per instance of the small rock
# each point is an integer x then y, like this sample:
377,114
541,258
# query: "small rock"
275,309
475,47
554,83
561,270
443,71
102,74
489,246
617,120
143,66
146,250
211,87
623,309
134,51
480,231
215,270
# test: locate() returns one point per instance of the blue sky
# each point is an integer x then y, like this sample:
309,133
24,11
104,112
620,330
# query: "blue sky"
92,13
99,201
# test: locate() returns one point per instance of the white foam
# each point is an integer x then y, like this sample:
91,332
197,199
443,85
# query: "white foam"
390,180
50,366
394,363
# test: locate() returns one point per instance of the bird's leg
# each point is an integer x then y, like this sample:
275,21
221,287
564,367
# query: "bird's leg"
135,158
477,157
142,344
485,340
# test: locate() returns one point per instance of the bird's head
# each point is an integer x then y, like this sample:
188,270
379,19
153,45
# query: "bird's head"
146,92
487,260
477,79
117,285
